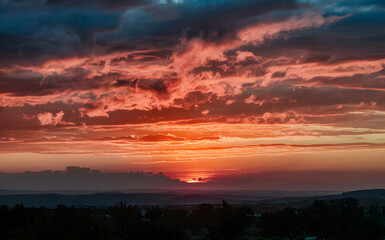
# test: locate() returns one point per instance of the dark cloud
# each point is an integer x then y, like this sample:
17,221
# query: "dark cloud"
33,37
194,98
17,6
362,5
119,5
160,87
374,81
78,178
148,56
65,28
354,38
38,31
215,21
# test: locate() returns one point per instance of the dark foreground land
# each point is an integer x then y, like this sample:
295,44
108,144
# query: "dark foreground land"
338,219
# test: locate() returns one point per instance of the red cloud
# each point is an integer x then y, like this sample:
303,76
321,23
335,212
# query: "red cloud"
48,118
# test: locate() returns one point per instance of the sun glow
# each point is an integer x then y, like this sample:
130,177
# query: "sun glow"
193,176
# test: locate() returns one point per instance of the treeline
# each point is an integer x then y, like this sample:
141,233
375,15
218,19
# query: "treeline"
338,220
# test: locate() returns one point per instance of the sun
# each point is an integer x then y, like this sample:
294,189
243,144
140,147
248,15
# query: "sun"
196,177
198,180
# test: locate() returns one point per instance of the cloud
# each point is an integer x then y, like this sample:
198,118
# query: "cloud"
103,4
79,178
158,138
260,32
33,37
48,118
39,30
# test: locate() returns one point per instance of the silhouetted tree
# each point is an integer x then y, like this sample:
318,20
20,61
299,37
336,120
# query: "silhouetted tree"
337,220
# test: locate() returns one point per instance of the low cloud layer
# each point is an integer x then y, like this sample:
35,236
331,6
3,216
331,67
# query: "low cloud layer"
78,178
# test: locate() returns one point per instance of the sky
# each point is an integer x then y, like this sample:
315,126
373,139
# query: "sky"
257,94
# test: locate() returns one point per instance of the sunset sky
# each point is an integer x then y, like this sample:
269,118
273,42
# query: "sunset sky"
200,90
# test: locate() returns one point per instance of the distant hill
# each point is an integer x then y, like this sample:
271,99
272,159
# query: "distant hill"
187,197
373,193
366,197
